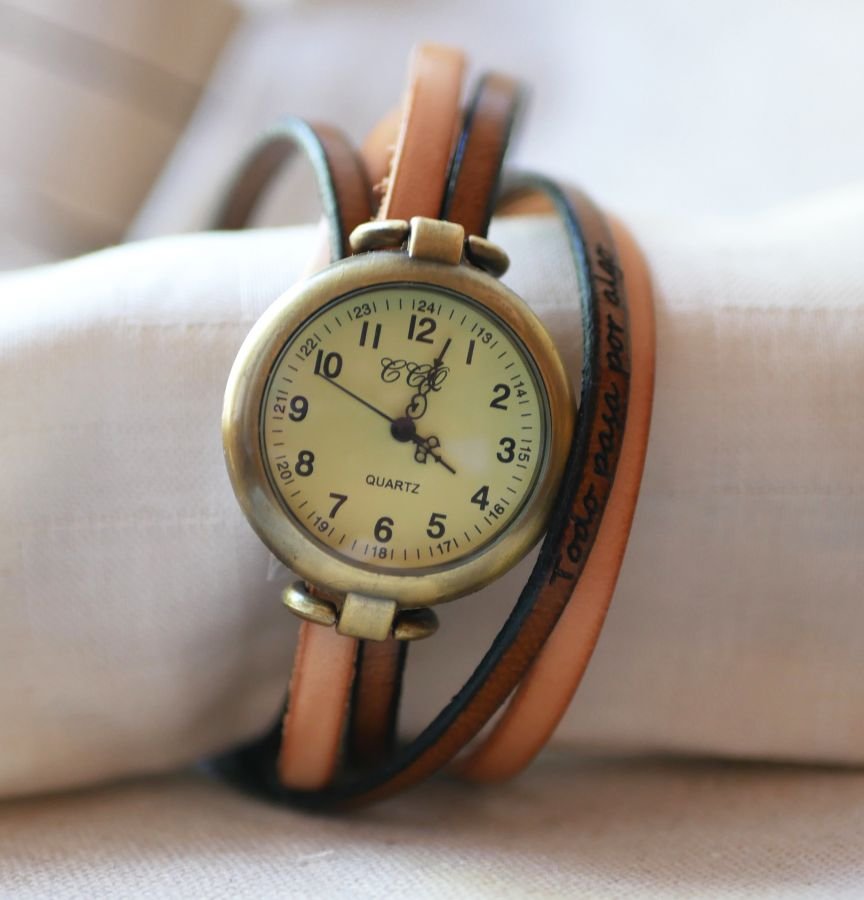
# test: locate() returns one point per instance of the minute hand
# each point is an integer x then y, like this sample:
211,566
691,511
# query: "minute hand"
358,399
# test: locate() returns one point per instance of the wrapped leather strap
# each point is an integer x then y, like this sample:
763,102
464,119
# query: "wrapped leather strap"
323,672
415,185
573,528
320,696
542,698
424,146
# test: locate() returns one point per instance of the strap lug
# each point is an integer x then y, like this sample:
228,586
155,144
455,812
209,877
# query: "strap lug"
436,240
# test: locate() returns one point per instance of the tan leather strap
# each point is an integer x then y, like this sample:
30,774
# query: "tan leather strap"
544,694
312,734
418,169
430,118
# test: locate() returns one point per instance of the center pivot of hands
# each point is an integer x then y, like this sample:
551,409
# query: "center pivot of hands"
403,429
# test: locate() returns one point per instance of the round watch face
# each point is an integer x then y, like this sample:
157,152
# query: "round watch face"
404,427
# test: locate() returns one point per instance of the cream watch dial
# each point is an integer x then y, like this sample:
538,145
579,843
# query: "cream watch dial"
404,427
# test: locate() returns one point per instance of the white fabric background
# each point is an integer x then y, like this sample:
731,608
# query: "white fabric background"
706,131
141,625
663,108
93,97
563,830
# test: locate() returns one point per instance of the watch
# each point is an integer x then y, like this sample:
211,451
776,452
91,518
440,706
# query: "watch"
396,426
399,429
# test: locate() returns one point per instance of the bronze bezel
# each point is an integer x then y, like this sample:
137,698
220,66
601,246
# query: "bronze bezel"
241,429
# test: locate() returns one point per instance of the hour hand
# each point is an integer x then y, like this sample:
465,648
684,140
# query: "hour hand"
436,363
429,446
404,430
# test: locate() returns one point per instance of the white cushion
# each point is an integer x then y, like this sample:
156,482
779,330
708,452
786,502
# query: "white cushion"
140,625
646,830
